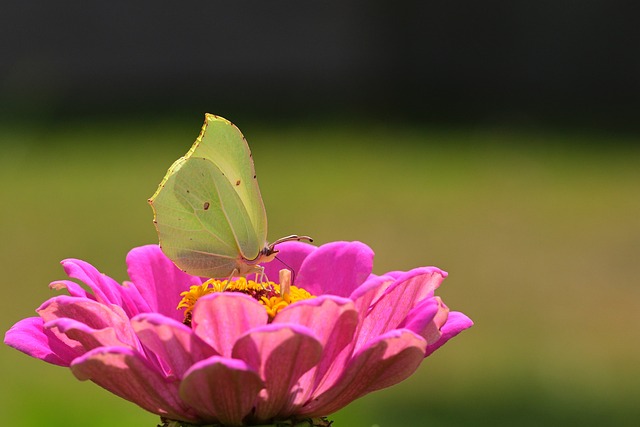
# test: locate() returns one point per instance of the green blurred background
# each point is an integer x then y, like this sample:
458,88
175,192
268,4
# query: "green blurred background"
525,187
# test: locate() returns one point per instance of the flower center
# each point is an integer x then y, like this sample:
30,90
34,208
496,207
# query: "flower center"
274,297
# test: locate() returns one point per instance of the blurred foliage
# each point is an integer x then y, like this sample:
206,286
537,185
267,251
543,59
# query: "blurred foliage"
540,232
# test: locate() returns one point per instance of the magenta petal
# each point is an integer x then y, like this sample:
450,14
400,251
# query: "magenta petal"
171,342
125,373
290,256
132,301
88,338
388,360
335,332
380,283
421,319
94,315
158,280
73,288
336,268
281,354
339,320
391,309
363,298
30,337
456,323
221,390
104,287
106,290
395,274
223,317
369,292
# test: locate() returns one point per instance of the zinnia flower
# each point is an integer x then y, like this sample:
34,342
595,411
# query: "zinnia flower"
249,355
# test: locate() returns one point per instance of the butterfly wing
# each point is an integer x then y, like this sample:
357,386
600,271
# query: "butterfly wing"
222,143
217,172
203,224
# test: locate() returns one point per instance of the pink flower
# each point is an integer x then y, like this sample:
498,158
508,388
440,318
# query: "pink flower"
233,364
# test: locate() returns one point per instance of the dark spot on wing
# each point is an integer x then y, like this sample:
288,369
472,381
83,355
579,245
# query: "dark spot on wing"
254,177
206,205
238,182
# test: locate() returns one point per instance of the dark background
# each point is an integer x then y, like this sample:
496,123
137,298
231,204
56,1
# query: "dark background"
561,63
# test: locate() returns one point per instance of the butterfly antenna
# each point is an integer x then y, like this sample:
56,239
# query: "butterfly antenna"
292,238
293,273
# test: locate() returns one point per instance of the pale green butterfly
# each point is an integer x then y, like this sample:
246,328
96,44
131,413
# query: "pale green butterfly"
208,211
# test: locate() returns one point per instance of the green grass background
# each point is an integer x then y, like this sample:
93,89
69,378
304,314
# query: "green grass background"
539,230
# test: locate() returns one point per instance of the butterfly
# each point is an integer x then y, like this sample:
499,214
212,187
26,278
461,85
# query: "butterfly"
208,211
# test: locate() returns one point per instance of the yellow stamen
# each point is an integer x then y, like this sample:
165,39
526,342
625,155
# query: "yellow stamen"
273,296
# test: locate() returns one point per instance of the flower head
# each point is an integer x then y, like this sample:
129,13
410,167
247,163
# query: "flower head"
274,297
243,353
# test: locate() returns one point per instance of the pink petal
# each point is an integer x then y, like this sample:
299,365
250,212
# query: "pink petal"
387,360
223,317
290,256
158,280
390,310
395,274
132,301
87,337
30,337
104,287
335,332
221,390
73,288
363,296
426,318
381,283
336,268
369,292
125,373
280,354
173,343
94,315
456,323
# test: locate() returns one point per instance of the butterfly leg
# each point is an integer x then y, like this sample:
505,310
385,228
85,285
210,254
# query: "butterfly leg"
261,277
233,273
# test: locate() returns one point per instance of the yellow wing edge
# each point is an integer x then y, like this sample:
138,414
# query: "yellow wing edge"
208,117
